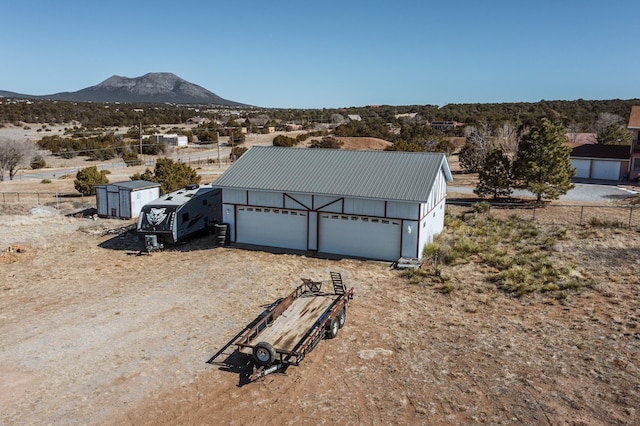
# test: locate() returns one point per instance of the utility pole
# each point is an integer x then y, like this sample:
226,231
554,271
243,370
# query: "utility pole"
141,139
218,142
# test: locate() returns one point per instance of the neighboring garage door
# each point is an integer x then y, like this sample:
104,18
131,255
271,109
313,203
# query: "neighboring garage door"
583,168
359,236
272,227
606,170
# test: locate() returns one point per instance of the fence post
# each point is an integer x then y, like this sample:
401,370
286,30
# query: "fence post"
38,198
630,213
534,212
57,204
581,214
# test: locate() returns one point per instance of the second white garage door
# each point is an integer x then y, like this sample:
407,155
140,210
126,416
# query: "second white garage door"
272,227
372,238
606,170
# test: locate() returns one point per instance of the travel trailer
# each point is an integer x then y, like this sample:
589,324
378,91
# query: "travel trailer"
179,215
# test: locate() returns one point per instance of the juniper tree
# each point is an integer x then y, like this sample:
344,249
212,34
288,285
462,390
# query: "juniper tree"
496,175
170,175
543,165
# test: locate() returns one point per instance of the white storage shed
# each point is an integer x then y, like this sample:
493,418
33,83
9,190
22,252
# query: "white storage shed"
124,200
371,204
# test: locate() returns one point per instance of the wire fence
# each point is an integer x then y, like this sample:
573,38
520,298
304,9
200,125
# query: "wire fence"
550,214
18,202
557,214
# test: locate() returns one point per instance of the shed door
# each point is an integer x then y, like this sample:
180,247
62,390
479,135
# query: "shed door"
113,203
272,227
583,168
606,170
371,238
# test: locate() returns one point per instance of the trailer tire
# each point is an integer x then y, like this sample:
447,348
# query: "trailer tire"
342,317
264,354
332,328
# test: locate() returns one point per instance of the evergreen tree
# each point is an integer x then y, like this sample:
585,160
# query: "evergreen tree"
496,176
170,175
614,134
88,178
543,165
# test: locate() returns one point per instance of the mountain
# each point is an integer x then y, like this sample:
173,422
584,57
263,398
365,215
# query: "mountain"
158,87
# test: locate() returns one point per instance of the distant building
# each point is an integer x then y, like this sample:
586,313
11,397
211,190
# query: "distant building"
171,139
634,127
354,117
198,120
445,125
602,162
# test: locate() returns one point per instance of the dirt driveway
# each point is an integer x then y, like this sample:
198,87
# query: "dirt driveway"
92,333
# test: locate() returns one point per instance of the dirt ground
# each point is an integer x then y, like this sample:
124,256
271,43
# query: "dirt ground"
93,333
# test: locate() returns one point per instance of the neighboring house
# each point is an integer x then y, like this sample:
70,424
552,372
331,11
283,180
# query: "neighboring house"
445,125
354,117
171,139
371,204
605,162
198,120
634,127
124,200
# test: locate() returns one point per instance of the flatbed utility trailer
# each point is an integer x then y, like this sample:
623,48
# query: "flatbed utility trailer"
292,327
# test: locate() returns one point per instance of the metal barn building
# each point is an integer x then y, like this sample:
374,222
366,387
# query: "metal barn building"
372,204
124,200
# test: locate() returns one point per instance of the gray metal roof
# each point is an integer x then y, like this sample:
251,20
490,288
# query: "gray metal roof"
389,175
131,184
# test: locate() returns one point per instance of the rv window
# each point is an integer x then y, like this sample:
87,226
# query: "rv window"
204,202
185,217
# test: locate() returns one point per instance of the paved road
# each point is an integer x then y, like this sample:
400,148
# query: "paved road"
597,192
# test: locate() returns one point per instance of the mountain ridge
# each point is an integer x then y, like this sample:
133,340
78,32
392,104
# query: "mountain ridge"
153,87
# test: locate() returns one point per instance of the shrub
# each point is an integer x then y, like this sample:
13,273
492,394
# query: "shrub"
45,181
88,178
37,162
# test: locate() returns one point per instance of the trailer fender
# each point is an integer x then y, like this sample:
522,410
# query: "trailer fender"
264,354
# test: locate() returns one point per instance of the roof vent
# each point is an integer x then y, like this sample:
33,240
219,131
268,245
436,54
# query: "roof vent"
192,186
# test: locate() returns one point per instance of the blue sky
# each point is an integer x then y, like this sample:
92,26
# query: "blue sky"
326,54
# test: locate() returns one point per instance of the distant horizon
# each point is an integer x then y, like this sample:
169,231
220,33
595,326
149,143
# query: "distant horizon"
27,95
334,55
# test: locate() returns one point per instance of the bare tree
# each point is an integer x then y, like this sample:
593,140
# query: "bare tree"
14,154
605,119
508,139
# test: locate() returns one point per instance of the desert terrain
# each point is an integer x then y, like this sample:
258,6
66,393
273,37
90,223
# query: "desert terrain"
92,332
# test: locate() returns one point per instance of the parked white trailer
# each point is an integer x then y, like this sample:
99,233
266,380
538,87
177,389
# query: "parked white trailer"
181,214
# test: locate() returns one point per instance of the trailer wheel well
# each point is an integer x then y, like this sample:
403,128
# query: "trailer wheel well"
264,354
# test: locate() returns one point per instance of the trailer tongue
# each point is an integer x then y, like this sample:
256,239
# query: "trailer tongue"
295,325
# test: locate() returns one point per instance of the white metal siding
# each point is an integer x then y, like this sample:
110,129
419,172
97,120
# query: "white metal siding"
606,170
271,227
372,238
583,168
265,199
101,200
430,226
403,210
364,207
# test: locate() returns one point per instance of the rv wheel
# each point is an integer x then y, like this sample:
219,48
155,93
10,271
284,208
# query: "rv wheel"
264,354
332,328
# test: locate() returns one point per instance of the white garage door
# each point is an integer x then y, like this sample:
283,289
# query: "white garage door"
607,170
583,168
359,236
272,227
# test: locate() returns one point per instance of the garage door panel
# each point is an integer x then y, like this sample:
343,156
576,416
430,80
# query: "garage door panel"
272,227
583,168
371,238
606,170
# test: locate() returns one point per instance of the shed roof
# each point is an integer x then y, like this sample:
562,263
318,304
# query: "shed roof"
389,175
133,184
613,152
634,118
